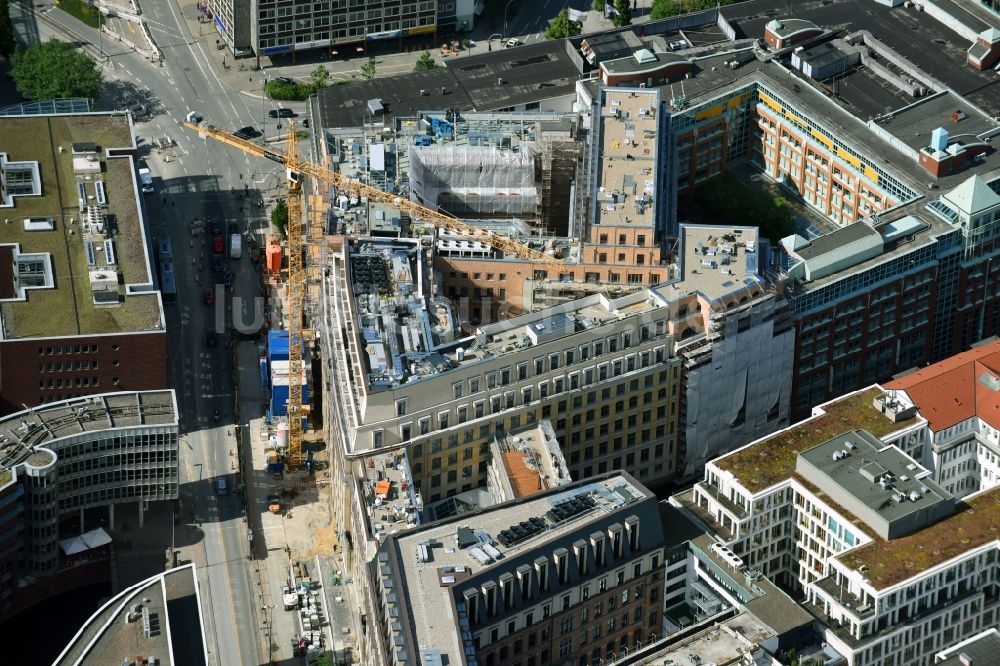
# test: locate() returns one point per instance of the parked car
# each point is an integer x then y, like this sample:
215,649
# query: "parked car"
511,43
274,504
211,339
247,132
209,297
281,113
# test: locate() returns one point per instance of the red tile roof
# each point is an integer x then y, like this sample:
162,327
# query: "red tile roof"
957,388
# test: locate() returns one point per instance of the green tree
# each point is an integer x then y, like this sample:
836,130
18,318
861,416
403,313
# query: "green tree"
279,216
55,69
324,660
623,13
320,77
599,6
7,43
561,27
425,63
663,9
368,69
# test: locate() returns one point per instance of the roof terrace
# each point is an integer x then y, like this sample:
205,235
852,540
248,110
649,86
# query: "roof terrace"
628,158
761,464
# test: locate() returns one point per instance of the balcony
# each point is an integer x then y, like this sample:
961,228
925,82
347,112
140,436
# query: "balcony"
735,509
842,595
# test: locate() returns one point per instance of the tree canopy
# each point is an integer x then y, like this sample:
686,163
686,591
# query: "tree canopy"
55,69
726,201
320,77
623,13
561,27
425,63
368,69
279,216
666,8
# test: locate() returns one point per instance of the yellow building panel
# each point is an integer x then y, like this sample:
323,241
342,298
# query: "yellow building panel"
822,139
871,174
795,118
770,102
847,157
736,101
709,113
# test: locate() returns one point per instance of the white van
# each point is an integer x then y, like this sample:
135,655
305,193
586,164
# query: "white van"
146,181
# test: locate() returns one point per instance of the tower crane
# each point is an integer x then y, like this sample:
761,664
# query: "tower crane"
295,169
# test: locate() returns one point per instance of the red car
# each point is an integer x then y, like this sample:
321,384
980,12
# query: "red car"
218,244
209,296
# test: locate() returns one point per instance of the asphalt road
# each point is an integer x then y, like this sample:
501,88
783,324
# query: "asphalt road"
196,178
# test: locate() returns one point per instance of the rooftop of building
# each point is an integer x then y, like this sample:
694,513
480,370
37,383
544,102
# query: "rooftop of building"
643,60
402,95
516,532
913,124
22,432
786,27
958,388
885,563
511,77
60,145
612,42
877,483
772,459
723,643
715,262
533,460
159,617
628,158
979,650
915,35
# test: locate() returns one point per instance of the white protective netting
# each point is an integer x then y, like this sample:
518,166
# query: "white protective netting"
474,180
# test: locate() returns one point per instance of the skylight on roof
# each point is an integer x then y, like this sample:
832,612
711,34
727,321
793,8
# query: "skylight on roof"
990,381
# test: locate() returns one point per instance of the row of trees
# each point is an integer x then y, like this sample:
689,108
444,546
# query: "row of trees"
667,8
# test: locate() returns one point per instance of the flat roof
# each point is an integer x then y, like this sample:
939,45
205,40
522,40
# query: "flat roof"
772,459
511,77
68,307
836,240
347,105
976,523
916,36
785,27
913,124
627,162
533,460
849,468
716,261
722,643
642,60
431,600
982,648
22,431
167,604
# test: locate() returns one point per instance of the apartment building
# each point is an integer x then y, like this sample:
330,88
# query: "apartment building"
80,313
65,458
570,575
839,509
958,396
270,27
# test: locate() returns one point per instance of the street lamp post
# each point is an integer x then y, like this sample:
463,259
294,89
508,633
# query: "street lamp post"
503,38
263,97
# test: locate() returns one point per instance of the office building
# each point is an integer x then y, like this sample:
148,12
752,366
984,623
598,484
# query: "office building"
158,619
81,313
840,510
268,27
570,575
65,466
